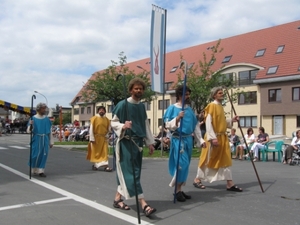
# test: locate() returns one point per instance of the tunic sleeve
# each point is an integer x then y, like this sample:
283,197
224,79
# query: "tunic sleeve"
117,127
210,133
149,140
198,136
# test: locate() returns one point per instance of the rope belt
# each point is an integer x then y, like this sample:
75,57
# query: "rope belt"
132,139
176,135
222,133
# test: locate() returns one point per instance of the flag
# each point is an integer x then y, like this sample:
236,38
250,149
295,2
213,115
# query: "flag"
157,48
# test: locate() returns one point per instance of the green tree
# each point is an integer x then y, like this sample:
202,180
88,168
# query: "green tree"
66,118
104,86
201,79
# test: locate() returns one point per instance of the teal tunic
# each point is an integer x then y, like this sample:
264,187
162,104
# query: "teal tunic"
40,142
138,116
189,123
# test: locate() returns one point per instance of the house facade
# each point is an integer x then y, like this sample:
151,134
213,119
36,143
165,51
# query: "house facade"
265,65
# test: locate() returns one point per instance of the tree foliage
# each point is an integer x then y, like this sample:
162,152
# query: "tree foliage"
66,118
201,79
104,86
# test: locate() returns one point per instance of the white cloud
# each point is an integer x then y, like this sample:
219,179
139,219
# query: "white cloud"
54,46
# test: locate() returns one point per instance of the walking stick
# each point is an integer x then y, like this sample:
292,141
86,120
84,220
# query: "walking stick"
131,146
254,167
113,142
183,62
31,135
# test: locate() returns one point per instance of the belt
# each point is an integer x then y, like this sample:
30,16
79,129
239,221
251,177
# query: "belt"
132,139
222,133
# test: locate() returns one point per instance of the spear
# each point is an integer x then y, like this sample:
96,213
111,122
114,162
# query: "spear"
31,135
131,147
254,167
182,63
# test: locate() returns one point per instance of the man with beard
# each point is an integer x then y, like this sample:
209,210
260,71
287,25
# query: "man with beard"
215,160
131,125
98,145
172,118
40,126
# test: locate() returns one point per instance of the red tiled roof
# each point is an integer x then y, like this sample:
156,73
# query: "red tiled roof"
243,49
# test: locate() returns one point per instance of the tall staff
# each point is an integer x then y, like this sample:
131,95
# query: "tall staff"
254,167
182,63
131,147
31,134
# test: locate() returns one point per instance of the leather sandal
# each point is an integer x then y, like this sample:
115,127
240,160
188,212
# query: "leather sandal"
148,210
122,206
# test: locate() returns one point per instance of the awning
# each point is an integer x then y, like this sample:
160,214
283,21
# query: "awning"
16,108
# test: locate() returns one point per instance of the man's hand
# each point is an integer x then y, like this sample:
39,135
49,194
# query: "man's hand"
235,118
127,125
215,142
151,149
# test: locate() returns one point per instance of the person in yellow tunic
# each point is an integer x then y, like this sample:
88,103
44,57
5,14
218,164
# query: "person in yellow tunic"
98,145
215,160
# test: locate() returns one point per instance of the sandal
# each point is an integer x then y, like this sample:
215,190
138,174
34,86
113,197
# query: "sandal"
122,205
199,185
235,188
148,210
105,169
94,167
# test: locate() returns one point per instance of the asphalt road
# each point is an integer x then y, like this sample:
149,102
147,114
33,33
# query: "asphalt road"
73,194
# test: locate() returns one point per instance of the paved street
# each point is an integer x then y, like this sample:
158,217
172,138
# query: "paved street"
74,194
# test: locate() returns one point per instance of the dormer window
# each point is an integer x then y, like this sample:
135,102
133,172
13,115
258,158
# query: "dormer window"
260,52
173,69
227,59
280,49
272,70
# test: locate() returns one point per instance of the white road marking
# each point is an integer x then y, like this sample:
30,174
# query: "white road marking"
3,148
102,208
33,203
17,147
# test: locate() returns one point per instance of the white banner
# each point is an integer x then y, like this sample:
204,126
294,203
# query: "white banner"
157,48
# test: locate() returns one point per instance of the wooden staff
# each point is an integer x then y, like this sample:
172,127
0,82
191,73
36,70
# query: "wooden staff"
251,159
31,135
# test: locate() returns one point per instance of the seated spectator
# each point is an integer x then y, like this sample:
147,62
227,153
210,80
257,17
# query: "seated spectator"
260,142
291,148
250,138
84,131
233,139
72,136
66,134
162,138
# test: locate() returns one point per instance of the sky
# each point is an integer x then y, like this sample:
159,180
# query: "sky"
54,46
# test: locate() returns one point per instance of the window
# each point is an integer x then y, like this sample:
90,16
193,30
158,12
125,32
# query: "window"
109,108
260,52
159,122
298,121
76,111
212,62
227,59
82,110
247,77
247,98
173,69
226,77
166,105
168,85
191,65
147,105
248,121
272,70
296,93
275,95
88,110
280,49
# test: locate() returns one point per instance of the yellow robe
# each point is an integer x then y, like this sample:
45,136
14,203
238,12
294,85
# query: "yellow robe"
214,161
98,151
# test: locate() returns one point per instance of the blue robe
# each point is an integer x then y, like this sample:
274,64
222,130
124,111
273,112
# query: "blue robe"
40,142
189,122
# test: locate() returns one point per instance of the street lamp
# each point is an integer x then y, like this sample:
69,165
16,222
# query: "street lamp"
47,111
43,96
145,71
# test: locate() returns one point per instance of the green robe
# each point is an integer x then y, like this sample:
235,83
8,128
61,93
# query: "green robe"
125,147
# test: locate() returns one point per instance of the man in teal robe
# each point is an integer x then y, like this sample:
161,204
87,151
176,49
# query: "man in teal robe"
41,140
